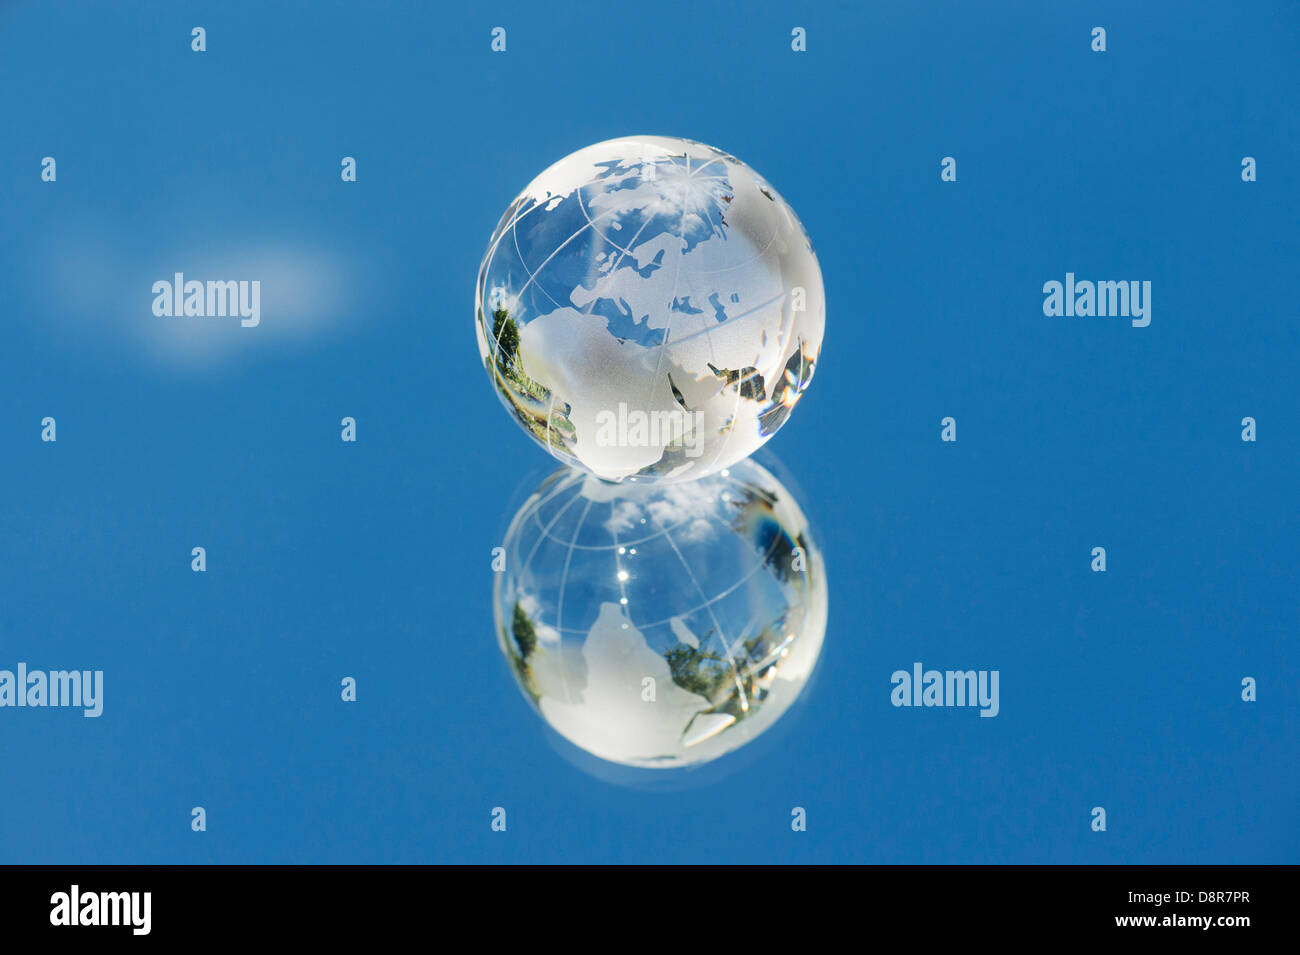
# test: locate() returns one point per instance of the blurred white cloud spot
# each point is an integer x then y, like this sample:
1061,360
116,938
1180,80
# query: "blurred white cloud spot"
91,282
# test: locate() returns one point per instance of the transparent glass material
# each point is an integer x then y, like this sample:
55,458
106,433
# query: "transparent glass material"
650,309
661,625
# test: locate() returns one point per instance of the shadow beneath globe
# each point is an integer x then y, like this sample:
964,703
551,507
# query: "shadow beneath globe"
663,632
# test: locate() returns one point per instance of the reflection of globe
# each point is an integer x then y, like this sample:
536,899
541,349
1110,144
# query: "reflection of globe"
650,309
661,625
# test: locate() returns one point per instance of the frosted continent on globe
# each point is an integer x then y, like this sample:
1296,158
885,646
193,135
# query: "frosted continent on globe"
650,309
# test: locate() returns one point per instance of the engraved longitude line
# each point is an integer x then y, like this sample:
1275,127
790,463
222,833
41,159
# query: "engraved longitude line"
681,230
733,318
603,547
514,234
537,203
491,254
708,606
735,409
559,609
595,296
672,300
690,610
546,531
510,228
707,330
536,517
528,562
748,262
533,274
562,483
619,247
780,370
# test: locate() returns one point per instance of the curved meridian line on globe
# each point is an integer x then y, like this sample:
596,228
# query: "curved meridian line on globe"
684,613
668,324
598,547
811,362
546,531
775,379
537,500
708,607
592,303
622,253
721,230
591,223
718,229
758,255
792,224
564,583
509,229
735,318
631,243
782,617
533,274
783,363
486,267
502,232
774,386
735,408
514,234
731,430
787,329
626,195
626,251
722,636
577,190
757,491
528,562
496,339
550,409
511,401
510,226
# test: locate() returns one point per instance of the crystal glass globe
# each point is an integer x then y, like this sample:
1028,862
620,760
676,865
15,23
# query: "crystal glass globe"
650,309
659,625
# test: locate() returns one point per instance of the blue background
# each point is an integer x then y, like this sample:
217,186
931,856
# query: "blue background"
372,560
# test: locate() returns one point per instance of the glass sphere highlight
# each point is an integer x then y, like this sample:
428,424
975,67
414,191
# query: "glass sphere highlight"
650,309
661,626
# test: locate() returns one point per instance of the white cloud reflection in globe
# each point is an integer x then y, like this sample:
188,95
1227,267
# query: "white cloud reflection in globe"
650,309
661,625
